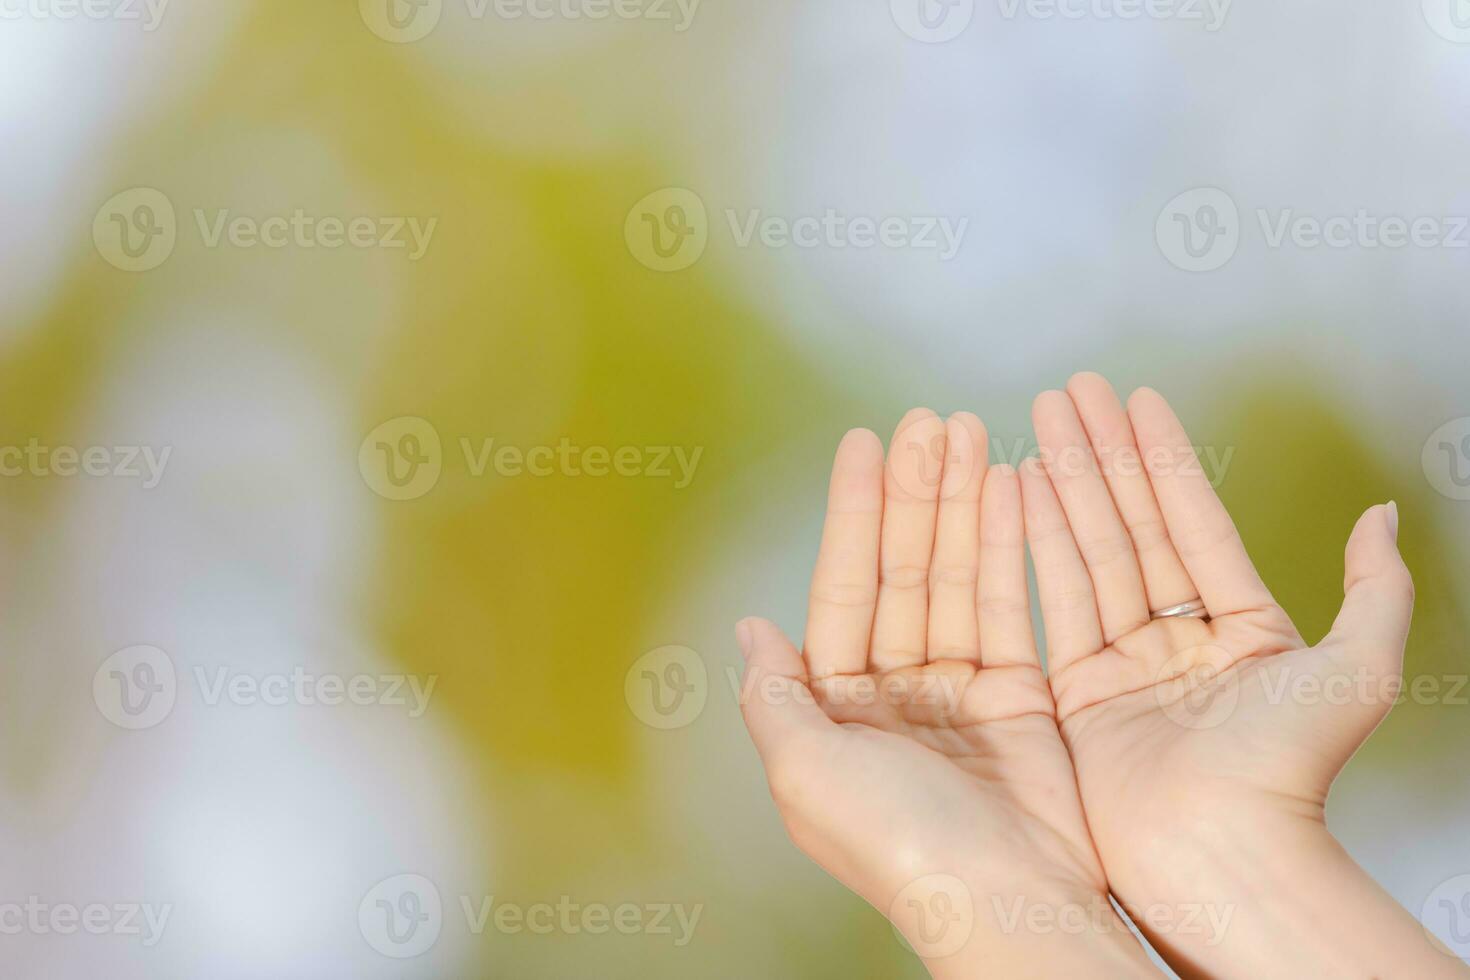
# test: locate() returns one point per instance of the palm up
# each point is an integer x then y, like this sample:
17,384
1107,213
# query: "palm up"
1176,722
915,733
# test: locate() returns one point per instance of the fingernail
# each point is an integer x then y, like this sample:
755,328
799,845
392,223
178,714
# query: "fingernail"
745,637
1393,520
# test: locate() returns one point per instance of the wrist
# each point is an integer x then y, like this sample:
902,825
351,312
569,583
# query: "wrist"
1271,893
964,929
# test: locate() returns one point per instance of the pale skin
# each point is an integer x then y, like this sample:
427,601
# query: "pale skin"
1205,749
920,582
916,734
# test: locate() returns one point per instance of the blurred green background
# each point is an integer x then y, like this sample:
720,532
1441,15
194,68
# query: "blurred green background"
531,320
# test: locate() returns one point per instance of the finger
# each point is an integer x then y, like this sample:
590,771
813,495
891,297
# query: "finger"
910,498
845,583
1068,605
953,629
1098,531
1378,594
1203,533
1165,581
775,700
1006,635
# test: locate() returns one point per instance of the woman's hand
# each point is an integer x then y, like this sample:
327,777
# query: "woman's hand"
912,748
1205,747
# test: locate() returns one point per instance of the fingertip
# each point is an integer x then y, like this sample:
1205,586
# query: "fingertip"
1092,393
858,440
745,636
968,427
1372,550
919,426
1084,380
1047,402
968,420
1374,536
1151,417
916,415
1145,398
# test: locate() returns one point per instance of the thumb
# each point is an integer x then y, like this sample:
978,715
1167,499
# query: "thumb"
774,697
1379,599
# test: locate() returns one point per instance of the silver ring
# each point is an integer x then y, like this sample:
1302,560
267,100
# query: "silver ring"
1193,609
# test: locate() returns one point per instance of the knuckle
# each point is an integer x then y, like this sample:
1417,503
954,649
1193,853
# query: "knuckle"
846,595
962,575
1148,535
903,576
1073,600
1004,605
1105,550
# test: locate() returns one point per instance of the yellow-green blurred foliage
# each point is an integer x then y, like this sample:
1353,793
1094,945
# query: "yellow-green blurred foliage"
528,322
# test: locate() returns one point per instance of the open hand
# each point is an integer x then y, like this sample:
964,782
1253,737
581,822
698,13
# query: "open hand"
1185,726
914,739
